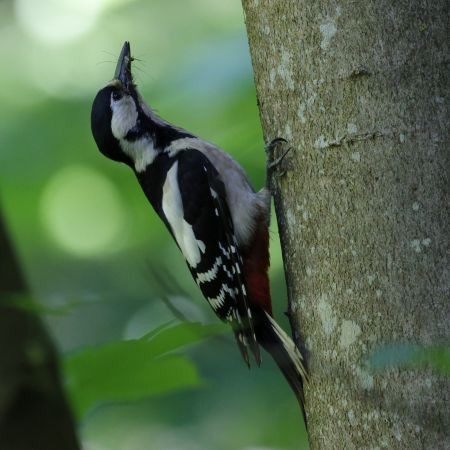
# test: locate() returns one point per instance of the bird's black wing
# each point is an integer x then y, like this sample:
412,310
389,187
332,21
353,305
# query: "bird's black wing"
218,268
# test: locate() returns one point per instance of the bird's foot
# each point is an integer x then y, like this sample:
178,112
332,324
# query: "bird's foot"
274,162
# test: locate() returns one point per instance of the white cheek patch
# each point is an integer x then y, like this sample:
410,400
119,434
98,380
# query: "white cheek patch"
124,119
172,206
124,116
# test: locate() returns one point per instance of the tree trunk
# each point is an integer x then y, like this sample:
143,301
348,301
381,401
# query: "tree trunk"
34,414
357,88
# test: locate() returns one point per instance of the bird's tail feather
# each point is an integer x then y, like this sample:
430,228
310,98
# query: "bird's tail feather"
284,351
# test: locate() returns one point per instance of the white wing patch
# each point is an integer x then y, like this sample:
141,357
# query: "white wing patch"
225,252
230,274
218,301
201,245
172,206
245,205
211,273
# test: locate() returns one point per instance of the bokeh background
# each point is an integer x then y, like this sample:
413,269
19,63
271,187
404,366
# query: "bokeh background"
100,265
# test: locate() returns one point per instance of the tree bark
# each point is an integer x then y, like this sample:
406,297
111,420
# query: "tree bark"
33,411
358,88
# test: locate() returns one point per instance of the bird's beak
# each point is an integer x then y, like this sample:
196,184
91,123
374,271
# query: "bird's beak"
123,68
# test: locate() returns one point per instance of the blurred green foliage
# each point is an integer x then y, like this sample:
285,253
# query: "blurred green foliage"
436,357
89,242
133,369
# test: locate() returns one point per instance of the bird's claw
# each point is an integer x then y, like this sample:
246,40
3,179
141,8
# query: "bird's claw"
273,143
273,163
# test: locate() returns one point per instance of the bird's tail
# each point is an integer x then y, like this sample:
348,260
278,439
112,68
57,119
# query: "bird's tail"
284,351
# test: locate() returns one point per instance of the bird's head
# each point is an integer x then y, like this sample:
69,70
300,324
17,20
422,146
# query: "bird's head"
116,111
124,127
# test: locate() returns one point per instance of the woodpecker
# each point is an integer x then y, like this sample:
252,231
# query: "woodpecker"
203,196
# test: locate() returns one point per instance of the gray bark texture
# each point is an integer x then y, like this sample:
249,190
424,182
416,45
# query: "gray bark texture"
359,90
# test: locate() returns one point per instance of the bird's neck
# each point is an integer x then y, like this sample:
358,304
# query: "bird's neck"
141,150
152,179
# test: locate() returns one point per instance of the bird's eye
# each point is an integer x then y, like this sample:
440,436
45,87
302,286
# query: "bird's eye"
117,95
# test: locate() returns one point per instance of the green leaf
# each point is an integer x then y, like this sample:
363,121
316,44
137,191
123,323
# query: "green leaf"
134,369
437,357
171,338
